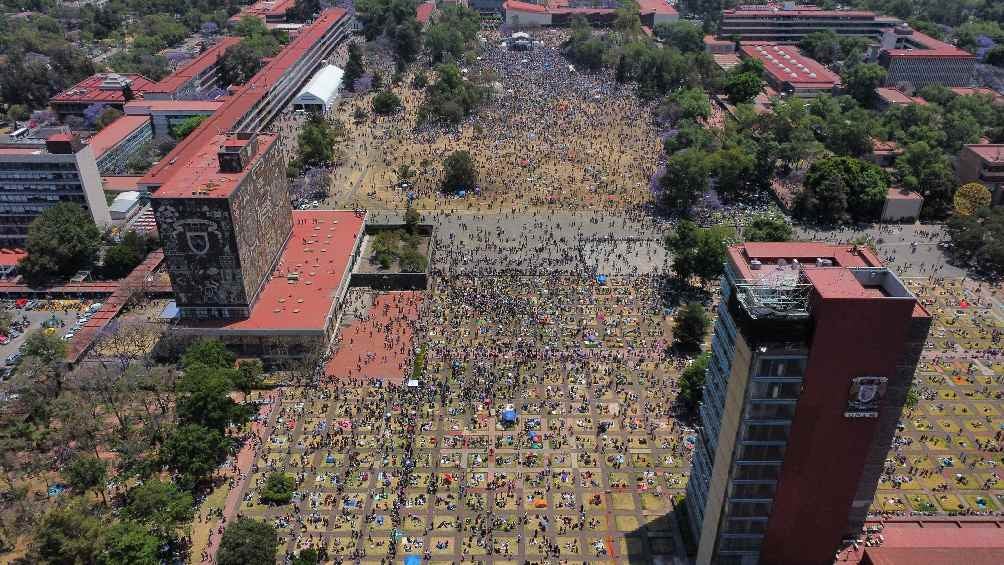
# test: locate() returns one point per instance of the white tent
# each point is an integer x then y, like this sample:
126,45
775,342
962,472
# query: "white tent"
321,91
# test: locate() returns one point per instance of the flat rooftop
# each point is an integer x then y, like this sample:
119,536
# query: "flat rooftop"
989,152
806,253
786,63
200,176
89,91
148,107
115,132
776,9
319,251
923,45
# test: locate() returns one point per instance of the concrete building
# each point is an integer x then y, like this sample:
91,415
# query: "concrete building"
788,23
195,78
103,88
600,13
916,59
321,92
222,221
902,205
125,206
119,141
36,174
271,12
789,70
814,349
983,163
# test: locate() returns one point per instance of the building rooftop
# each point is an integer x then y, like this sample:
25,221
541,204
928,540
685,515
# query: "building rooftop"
10,257
201,175
103,87
176,80
264,8
923,45
989,152
998,98
898,97
424,11
323,86
243,100
657,7
147,107
523,6
898,193
120,183
804,11
787,64
319,252
806,253
115,132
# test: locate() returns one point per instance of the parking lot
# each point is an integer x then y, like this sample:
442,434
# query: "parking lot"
61,315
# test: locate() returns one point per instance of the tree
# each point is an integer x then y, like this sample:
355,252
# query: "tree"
193,452
691,324
67,534
768,227
411,219
86,473
735,166
862,80
688,134
238,63
938,190
248,542
838,189
181,129
160,506
119,261
316,142
995,56
823,46
18,113
205,398
970,198
47,349
685,179
354,69
303,10
386,102
692,382
459,172
742,88
683,35
697,251
278,489
407,40
686,104
450,98
128,543
248,376
210,353
61,241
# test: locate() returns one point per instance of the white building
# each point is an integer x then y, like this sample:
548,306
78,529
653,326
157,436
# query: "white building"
125,205
321,92
36,174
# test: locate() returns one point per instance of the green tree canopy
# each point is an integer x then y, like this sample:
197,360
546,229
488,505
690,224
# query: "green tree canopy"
194,452
691,324
354,69
685,180
699,252
248,542
386,103
692,382
862,80
768,227
839,189
210,353
61,241
742,88
161,507
460,172
67,534
48,349
278,489
85,473
683,35
128,543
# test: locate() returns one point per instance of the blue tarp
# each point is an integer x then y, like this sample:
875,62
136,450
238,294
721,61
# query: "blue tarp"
508,415
602,279
412,560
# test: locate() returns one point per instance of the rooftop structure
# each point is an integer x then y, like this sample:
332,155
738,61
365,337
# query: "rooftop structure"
998,98
789,70
102,88
813,352
264,96
198,75
901,205
929,540
209,174
895,97
268,11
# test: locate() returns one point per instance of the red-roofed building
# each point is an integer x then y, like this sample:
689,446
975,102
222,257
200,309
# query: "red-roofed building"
814,349
102,88
901,205
559,13
789,70
918,59
424,12
166,113
119,141
268,11
997,98
888,97
197,76
269,93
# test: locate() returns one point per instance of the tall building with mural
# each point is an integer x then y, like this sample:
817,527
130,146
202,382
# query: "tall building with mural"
814,349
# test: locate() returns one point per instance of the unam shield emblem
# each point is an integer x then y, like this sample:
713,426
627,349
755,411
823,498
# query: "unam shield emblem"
198,242
867,392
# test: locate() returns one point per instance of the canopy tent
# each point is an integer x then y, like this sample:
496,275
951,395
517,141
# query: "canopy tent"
321,91
509,416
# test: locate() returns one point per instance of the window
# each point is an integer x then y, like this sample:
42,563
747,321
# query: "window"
765,432
782,367
749,509
752,491
770,410
767,390
761,452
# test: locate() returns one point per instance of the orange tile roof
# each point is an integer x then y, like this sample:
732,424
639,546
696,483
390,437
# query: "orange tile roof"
778,57
87,91
424,11
115,132
144,107
202,172
120,183
319,250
